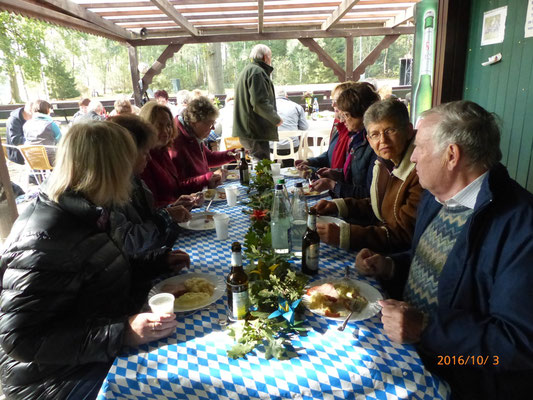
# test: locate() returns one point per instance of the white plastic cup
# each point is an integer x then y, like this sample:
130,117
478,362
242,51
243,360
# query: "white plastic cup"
162,303
231,196
222,226
276,169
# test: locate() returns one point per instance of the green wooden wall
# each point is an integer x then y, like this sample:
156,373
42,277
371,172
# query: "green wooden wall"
505,88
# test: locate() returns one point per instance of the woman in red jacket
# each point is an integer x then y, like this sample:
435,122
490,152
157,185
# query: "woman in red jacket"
190,156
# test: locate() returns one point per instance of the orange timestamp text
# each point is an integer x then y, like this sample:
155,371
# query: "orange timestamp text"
468,360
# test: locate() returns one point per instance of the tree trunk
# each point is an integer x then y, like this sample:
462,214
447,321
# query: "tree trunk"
15,93
215,73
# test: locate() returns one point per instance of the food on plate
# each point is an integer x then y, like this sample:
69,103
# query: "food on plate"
222,195
210,193
232,175
293,171
197,291
177,289
191,299
199,285
308,192
336,299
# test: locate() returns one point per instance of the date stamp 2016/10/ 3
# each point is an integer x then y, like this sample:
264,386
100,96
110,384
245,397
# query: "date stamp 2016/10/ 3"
468,360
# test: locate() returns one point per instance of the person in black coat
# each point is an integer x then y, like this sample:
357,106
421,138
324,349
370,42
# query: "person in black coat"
66,305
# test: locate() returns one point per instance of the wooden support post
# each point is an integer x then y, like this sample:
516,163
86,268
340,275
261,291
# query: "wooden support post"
373,56
135,77
349,58
324,57
8,207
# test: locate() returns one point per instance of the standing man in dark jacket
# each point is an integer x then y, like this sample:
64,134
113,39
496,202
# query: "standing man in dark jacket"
255,117
467,301
14,132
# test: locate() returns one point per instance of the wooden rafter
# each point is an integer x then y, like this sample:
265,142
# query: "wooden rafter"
297,34
324,57
340,12
175,15
158,66
373,56
401,18
80,12
260,13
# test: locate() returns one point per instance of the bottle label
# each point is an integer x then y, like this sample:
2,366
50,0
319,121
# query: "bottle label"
240,304
236,259
311,257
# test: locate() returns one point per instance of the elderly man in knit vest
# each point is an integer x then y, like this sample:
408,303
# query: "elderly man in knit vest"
467,301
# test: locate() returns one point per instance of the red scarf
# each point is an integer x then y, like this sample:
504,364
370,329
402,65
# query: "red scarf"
341,147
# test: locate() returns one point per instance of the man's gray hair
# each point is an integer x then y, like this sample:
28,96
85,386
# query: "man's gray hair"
471,127
259,52
95,106
281,93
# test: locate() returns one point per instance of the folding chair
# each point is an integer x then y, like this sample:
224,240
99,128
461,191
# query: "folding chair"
319,144
290,135
36,158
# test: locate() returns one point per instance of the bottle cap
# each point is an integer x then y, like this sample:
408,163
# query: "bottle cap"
236,247
279,187
281,181
299,185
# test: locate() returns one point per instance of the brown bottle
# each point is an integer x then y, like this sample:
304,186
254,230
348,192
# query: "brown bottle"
237,286
310,246
244,173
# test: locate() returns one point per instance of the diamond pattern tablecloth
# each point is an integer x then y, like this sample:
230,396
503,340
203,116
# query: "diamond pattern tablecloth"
359,363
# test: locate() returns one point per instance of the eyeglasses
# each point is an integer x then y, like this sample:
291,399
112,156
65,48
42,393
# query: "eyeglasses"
376,135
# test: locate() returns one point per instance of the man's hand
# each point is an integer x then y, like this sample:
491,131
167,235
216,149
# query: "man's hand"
301,165
179,214
177,260
401,322
373,264
331,173
329,233
214,181
325,207
145,327
323,184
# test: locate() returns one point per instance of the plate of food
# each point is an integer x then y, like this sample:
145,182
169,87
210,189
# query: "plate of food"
201,221
192,291
290,172
313,193
233,175
218,194
335,298
324,219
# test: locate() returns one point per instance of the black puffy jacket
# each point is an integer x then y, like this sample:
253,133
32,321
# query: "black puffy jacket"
65,299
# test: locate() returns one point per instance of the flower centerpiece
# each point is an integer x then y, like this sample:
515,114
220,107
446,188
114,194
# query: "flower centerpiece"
275,288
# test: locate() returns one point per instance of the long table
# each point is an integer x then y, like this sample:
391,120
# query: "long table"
358,363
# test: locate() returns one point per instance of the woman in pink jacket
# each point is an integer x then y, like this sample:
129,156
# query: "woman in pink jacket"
190,155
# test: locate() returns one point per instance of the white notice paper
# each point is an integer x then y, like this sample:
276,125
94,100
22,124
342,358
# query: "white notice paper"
528,29
494,26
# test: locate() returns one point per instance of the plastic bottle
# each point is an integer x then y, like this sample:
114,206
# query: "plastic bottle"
280,222
285,192
315,106
299,218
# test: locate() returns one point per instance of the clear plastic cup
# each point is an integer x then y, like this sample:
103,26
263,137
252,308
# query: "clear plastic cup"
231,195
276,169
222,226
162,303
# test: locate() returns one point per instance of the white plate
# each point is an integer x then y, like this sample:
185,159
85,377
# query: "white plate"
233,175
199,222
306,188
217,281
324,219
366,290
290,172
220,195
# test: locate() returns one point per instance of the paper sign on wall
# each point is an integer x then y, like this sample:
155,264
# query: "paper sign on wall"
494,26
528,29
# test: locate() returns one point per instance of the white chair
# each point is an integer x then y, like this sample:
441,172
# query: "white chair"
290,135
319,144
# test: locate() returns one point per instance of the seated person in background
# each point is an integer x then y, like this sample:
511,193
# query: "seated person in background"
95,112
15,132
335,156
42,129
83,104
144,230
121,106
353,180
160,174
183,98
386,220
469,271
161,96
224,125
67,303
189,154
294,119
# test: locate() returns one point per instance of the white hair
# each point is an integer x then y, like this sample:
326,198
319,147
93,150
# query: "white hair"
281,93
259,52
95,106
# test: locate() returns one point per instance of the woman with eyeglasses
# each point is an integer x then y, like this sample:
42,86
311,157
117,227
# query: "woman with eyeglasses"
188,152
385,221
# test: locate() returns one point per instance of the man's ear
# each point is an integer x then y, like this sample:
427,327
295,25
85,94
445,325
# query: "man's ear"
453,155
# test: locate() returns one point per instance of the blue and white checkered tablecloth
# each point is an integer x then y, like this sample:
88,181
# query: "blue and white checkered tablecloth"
358,363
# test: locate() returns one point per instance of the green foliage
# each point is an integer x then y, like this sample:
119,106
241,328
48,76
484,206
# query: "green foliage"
61,82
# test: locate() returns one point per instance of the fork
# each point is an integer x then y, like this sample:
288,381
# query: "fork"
209,204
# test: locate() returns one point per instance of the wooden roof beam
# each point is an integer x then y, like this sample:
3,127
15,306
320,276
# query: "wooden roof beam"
340,12
260,15
373,56
401,18
175,15
80,12
324,57
158,66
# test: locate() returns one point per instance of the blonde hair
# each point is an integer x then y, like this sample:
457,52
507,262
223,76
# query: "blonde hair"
152,111
95,160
